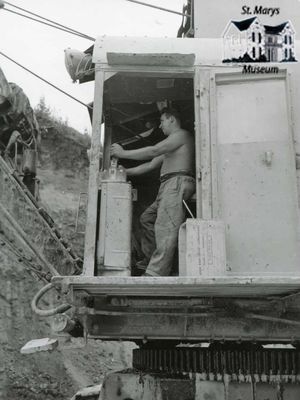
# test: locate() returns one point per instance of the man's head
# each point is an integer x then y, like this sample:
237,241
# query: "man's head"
169,120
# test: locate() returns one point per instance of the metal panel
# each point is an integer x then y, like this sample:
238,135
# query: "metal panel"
204,250
240,391
266,391
183,286
257,177
209,390
204,153
291,392
91,220
114,249
258,243
185,328
205,50
154,59
132,385
198,141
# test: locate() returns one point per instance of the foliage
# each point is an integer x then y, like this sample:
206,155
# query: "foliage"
49,121
42,110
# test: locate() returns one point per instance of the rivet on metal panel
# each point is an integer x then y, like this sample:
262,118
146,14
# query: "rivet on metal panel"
268,158
199,175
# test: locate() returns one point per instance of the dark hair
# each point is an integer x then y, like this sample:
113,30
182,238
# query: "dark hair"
169,111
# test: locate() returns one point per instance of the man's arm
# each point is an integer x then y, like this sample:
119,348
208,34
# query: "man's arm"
146,167
171,143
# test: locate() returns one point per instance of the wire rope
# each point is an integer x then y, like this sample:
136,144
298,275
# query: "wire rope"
46,23
49,20
45,80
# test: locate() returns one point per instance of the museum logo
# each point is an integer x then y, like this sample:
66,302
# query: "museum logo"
251,41
257,69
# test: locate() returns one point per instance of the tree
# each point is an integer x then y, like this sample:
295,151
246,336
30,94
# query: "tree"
42,110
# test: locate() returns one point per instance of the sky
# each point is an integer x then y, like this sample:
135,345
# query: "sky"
41,48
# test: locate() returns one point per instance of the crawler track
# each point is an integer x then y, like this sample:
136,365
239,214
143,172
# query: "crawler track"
265,365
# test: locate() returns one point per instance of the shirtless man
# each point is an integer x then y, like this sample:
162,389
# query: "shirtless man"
161,220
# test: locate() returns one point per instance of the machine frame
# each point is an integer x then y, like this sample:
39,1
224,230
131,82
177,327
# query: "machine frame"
233,308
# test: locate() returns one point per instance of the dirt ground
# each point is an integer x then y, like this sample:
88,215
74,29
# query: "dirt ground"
63,174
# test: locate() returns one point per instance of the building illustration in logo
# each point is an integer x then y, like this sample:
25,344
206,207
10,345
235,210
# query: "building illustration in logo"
251,41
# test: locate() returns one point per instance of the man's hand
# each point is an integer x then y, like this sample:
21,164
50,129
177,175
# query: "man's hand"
117,151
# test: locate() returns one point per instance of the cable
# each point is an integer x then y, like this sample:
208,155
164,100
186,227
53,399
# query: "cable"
49,20
45,80
45,23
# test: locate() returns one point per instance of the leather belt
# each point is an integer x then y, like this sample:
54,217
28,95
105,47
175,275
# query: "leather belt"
165,177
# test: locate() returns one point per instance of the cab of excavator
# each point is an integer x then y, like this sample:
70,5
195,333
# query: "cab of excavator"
132,106
130,90
239,245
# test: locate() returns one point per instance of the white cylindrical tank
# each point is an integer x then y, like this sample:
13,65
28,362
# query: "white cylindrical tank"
114,238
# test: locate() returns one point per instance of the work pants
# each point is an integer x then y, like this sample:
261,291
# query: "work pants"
161,221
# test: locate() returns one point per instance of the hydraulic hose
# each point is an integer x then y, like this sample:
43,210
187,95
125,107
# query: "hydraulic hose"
50,312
